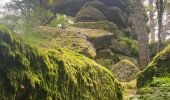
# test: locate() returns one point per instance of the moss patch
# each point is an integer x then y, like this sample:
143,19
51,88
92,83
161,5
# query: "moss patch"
102,25
69,39
125,70
125,46
158,89
38,74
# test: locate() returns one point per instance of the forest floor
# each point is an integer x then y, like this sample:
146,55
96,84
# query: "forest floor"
129,89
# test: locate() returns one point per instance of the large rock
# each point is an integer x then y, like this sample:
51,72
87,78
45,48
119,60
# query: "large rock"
51,74
70,39
94,10
125,71
125,46
154,82
97,36
100,25
159,67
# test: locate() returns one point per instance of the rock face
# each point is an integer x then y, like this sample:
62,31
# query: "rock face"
94,10
154,81
38,74
125,71
159,67
111,44
69,39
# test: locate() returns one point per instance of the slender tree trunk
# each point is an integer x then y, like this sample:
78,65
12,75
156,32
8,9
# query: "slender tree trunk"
164,29
163,36
160,10
152,23
141,30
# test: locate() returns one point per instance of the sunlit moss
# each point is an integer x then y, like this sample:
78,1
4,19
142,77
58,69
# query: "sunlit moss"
51,74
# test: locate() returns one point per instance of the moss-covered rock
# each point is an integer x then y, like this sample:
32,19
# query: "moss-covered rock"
71,7
125,70
106,58
98,38
125,46
159,67
90,14
101,25
96,10
70,39
51,74
153,83
115,11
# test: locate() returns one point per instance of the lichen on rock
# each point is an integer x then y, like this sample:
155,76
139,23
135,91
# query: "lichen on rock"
51,74
125,71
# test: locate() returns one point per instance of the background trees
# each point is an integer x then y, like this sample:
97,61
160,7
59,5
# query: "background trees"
141,30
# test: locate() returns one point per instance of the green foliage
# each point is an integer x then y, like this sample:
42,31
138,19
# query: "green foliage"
60,20
43,74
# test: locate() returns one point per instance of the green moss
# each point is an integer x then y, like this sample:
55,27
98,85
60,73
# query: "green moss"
153,83
159,67
102,25
43,74
69,39
129,44
125,46
105,62
158,89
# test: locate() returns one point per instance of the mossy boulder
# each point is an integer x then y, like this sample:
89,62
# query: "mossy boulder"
125,71
101,25
51,74
159,67
106,58
97,37
96,10
153,83
125,46
70,39
115,11
90,14
71,7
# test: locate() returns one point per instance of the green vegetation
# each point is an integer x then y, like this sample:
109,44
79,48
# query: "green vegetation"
71,40
101,25
159,67
128,42
125,46
153,83
158,89
37,74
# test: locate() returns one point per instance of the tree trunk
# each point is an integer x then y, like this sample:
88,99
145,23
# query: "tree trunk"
160,10
141,30
152,23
